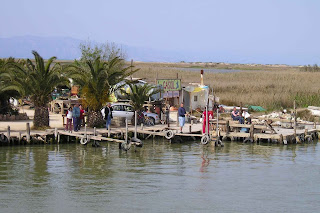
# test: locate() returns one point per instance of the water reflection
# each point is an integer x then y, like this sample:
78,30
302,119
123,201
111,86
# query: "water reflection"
72,177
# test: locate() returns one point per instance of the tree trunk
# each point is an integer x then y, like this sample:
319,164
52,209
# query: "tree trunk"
95,119
41,116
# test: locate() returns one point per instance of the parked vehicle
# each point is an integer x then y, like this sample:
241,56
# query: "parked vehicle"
124,110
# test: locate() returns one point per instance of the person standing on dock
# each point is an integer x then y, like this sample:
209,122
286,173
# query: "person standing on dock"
81,121
69,120
182,116
108,115
204,120
76,117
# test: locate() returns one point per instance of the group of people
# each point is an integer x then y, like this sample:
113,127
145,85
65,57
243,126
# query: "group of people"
236,115
241,117
75,114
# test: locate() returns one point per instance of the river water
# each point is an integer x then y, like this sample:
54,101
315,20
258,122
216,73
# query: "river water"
160,177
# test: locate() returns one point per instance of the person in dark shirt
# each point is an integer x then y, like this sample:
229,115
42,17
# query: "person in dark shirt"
182,116
108,115
76,117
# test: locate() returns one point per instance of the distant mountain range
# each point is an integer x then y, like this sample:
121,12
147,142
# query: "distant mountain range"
66,48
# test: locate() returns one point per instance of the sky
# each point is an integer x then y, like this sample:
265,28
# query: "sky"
237,31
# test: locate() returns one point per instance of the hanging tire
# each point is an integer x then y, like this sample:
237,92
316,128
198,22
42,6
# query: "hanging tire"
301,138
169,134
205,139
3,139
247,140
308,138
125,146
83,141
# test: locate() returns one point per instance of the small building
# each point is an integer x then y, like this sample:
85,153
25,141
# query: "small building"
196,96
171,91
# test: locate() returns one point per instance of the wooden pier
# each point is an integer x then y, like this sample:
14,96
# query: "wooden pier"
219,130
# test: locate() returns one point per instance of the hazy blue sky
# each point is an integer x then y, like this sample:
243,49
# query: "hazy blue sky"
254,31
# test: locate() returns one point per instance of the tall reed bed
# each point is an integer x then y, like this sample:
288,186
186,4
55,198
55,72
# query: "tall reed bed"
272,89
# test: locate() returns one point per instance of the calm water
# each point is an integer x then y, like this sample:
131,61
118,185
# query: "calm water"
160,177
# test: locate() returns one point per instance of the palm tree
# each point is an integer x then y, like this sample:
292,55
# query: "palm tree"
98,80
37,80
139,93
5,81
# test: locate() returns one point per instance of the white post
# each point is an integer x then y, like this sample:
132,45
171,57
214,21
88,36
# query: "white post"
126,139
217,123
55,133
8,133
135,124
28,132
295,118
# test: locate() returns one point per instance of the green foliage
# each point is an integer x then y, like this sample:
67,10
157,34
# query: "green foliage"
305,100
36,80
98,79
106,52
5,82
138,94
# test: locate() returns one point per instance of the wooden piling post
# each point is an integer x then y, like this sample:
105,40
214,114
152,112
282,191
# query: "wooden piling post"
56,134
126,139
19,136
178,118
190,127
109,131
8,134
305,132
85,131
28,132
58,138
252,131
168,119
135,124
94,134
281,139
217,129
227,127
295,118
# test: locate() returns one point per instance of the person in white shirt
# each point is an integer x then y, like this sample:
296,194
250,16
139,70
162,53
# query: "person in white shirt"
69,120
246,116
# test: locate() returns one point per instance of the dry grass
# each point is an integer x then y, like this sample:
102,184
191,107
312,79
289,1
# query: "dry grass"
273,87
